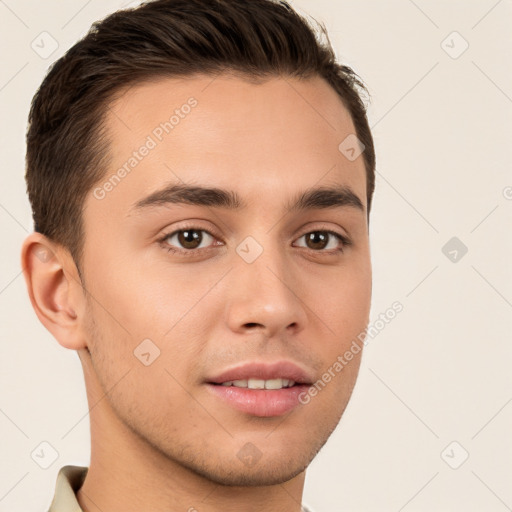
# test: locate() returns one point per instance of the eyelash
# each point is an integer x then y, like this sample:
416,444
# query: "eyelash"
193,252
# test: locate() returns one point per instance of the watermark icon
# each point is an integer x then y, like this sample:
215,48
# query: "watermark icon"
249,249
43,254
342,360
351,147
507,193
150,143
44,454
44,45
249,454
146,352
454,249
455,455
454,45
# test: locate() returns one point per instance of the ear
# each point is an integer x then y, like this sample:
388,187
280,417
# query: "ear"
54,289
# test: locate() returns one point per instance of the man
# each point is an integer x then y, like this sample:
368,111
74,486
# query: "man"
201,175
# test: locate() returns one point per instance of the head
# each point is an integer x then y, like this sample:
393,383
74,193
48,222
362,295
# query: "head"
201,200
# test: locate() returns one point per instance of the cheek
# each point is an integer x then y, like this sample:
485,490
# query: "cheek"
136,298
147,313
345,305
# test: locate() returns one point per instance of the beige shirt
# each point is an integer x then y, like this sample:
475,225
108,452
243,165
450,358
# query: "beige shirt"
69,480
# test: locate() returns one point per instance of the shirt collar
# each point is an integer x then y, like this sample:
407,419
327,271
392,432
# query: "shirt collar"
69,480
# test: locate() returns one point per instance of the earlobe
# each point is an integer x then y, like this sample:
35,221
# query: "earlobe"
52,281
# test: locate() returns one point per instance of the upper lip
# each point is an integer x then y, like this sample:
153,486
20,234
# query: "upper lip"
265,371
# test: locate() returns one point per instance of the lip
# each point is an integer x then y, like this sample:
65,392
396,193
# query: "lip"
265,371
261,402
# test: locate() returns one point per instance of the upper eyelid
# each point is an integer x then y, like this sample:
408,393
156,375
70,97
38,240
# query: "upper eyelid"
197,228
212,232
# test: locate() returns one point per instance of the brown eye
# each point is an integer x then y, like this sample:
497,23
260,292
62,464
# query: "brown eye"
322,240
317,240
188,239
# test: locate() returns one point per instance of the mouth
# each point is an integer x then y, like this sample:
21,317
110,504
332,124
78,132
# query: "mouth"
260,389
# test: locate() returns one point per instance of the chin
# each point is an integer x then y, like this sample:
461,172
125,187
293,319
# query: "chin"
267,473
273,467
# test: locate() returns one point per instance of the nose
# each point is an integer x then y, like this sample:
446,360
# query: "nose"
265,295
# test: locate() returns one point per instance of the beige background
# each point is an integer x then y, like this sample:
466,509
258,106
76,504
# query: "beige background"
440,371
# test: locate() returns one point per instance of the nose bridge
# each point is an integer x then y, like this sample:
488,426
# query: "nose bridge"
264,290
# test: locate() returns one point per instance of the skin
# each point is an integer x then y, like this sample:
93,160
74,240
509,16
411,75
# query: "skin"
160,440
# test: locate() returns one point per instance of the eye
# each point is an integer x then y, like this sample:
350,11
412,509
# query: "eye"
320,240
187,240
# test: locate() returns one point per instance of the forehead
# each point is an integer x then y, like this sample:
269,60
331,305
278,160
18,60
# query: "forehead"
260,139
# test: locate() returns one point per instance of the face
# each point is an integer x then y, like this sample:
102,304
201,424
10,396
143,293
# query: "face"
191,289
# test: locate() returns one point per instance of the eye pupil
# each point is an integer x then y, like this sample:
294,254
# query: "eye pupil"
317,237
190,238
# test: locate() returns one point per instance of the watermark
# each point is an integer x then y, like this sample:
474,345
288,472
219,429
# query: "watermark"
249,249
44,455
44,45
454,45
151,142
249,454
146,352
454,249
507,193
455,455
351,147
342,360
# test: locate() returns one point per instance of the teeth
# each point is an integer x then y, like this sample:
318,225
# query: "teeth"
256,384
276,383
260,383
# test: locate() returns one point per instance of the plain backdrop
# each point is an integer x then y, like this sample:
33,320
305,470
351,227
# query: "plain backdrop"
428,426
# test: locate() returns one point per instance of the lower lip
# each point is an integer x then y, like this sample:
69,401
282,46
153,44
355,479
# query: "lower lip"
260,402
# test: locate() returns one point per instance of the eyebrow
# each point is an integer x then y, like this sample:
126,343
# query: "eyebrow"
313,198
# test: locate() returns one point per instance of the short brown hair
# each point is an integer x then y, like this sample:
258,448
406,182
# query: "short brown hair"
67,147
